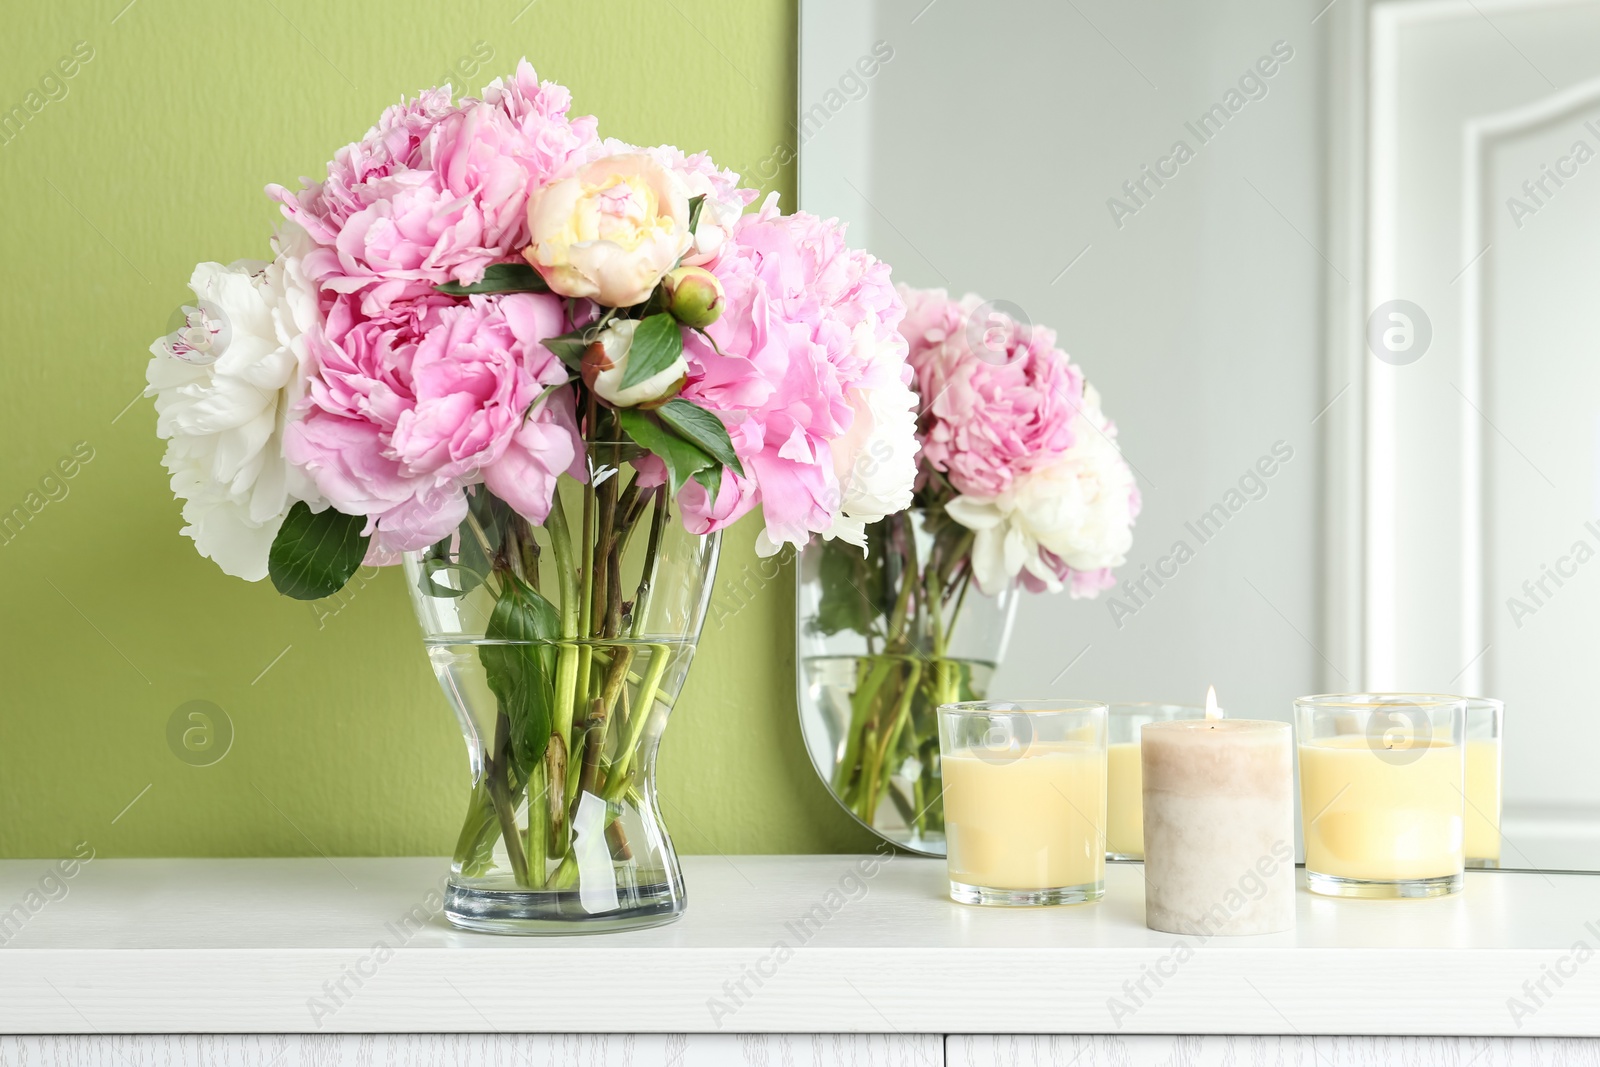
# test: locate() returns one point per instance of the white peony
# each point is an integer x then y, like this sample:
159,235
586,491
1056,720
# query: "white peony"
876,460
225,385
1079,509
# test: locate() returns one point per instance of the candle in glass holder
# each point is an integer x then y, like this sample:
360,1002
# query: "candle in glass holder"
1125,776
1218,825
1481,841
1024,801
1124,802
1382,793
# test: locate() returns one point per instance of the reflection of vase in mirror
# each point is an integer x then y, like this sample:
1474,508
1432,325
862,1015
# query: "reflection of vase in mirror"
885,637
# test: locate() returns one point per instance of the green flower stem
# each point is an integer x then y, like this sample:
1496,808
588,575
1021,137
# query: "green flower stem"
601,561
601,685
893,709
565,876
567,657
842,772
647,577
498,774
538,844
649,686
617,781
617,672
586,630
852,780
882,739
551,814
599,719
902,713
475,847
605,610
919,799
864,799
908,582
862,705
604,656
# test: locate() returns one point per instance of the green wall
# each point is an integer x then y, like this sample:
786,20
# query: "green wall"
154,159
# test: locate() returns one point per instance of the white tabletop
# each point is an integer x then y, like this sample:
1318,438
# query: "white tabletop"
222,946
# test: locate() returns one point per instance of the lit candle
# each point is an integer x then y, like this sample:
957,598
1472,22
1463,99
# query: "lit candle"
1218,825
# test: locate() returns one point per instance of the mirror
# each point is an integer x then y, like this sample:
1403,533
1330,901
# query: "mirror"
1357,238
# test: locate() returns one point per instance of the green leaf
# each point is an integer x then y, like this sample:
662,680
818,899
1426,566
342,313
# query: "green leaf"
856,595
683,458
654,304
315,554
491,513
695,204
696,424
521,670
465,579
710,479
568,347
500,278
545,392
468,567
657,344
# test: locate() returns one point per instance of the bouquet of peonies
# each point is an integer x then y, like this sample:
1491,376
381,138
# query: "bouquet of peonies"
1020,485
482,309
478,287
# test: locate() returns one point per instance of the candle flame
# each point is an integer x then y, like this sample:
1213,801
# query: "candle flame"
1212,710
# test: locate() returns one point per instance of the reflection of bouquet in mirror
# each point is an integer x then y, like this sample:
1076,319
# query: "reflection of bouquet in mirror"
1020,487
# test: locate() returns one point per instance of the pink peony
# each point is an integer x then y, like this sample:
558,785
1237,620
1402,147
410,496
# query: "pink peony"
436,192
804,321
473,379
994,410
405,412
1029,461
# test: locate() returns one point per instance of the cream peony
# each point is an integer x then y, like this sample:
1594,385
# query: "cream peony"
225,385
723,204
1077,511
610,232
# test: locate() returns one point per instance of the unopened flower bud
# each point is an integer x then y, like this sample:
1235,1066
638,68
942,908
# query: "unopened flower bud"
694,296
606,361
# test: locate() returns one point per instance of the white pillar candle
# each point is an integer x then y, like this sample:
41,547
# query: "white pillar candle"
1218,825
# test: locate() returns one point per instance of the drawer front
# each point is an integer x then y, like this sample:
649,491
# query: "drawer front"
476,1050
1041,1051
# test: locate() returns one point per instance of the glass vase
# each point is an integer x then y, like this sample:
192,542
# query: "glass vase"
884,638
562,649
